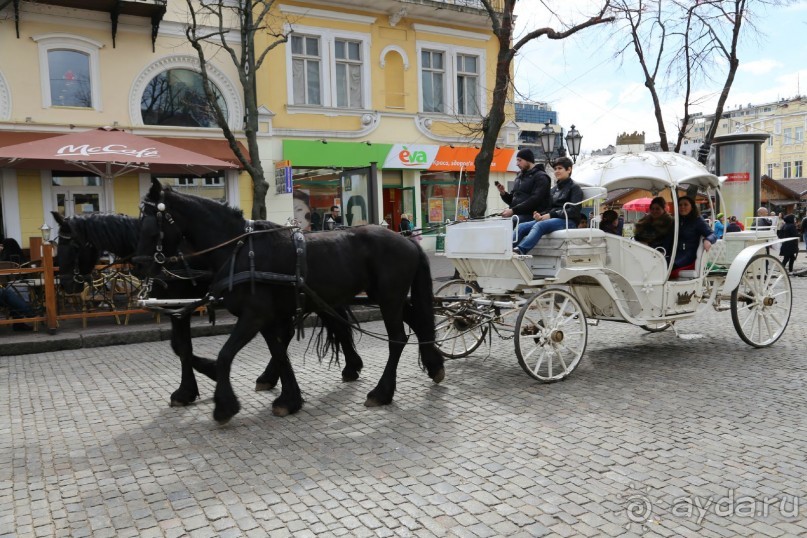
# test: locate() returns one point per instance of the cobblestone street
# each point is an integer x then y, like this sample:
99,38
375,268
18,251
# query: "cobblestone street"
700,435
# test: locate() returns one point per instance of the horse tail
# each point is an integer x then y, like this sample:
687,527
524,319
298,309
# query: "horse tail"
420,316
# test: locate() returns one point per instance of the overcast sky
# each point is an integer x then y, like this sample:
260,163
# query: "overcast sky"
603,96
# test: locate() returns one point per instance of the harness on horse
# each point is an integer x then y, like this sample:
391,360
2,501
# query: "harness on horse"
298,279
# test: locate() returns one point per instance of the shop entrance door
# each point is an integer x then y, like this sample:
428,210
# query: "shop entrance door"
358,196
398,200
74,196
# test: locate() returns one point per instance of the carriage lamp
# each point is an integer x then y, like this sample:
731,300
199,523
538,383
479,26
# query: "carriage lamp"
548,141
45,231
573,139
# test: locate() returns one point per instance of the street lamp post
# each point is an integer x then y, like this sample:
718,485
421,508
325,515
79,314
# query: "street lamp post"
548,142
573,139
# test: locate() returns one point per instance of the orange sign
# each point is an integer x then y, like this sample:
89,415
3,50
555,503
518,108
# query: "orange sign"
453,159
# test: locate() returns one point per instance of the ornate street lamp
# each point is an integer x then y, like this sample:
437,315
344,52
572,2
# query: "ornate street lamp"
573,139
548,141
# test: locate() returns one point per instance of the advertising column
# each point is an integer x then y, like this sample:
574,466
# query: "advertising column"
738,158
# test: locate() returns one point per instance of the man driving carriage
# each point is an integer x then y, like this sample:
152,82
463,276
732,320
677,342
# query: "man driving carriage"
565,191
530,189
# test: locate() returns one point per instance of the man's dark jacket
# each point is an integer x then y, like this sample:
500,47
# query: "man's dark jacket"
566,191
530,193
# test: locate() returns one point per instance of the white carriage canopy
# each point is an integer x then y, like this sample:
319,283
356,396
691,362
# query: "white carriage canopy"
651,171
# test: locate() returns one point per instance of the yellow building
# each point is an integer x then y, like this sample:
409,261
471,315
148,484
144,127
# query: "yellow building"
72,65
785,153
372,106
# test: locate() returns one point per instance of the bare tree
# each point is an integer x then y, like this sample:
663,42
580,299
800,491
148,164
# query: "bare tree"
210,23
502,23
682,43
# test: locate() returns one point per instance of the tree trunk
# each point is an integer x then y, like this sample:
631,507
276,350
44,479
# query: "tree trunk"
491,126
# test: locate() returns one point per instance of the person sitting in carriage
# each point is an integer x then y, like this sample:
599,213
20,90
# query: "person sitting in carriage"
692,229
655,228
565,191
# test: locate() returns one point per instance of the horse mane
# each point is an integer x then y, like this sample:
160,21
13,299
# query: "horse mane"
206,203
114,233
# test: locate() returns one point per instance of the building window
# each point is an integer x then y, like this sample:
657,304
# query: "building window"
786,170
798,170
770,141
348,73
212,187
69,71
177,97
432,77
69,78
305,68
799,132
770,170
450,79
328,68
467,85
787,136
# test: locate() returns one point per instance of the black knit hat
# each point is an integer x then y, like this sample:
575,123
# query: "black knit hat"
526,154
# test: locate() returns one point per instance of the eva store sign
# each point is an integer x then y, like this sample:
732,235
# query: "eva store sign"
85,150
419,156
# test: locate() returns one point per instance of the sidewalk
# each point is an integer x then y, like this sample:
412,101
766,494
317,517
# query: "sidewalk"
144,328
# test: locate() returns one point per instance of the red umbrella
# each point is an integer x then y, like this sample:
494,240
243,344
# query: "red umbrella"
108,153
639,204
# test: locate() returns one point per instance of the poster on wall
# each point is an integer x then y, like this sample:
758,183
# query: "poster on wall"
435,210
355,196
738,189
463,209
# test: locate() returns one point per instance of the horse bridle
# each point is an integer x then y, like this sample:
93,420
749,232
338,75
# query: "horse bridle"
73,242
158,257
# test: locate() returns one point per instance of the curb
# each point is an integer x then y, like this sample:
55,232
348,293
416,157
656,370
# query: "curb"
42,342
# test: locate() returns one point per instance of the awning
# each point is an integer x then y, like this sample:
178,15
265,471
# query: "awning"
782,202
216,148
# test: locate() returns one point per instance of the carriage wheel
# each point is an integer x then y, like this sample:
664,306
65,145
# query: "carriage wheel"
657,327
760,306
459,328
551,333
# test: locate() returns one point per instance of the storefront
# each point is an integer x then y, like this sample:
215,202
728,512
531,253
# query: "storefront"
372,182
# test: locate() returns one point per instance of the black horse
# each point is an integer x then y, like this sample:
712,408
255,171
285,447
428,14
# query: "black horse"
83,239
262,268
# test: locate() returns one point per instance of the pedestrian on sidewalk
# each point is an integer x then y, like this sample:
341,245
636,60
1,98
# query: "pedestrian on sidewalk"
789,249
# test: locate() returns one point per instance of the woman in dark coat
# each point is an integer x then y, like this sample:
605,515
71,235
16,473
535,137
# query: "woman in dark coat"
655,228
789,249
692,229
11,251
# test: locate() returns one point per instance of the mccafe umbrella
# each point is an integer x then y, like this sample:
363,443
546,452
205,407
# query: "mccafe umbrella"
108,153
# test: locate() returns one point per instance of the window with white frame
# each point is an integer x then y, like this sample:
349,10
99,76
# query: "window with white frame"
770,141
69,71
770,170
467,85
799,135
348,60
451,79
798,169
329,68
786,170
306,63
787,136
432,78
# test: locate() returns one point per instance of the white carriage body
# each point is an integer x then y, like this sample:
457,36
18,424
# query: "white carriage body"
615,278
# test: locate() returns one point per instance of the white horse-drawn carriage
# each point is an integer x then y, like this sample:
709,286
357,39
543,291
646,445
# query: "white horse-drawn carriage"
546,298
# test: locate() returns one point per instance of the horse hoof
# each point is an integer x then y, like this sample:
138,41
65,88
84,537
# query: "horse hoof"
440,375
372,402
223,421
177,403
280,411
350,376
260,387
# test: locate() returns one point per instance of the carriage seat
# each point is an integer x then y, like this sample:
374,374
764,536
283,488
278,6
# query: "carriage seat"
697,271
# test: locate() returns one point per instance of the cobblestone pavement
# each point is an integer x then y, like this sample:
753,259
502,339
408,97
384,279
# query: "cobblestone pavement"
693,436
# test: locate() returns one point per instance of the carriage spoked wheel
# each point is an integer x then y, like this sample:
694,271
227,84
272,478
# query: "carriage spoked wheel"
459,327
760,306
657,327
551,335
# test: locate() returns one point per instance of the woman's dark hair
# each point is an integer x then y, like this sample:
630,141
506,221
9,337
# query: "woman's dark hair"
659,201
609,215
695,211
